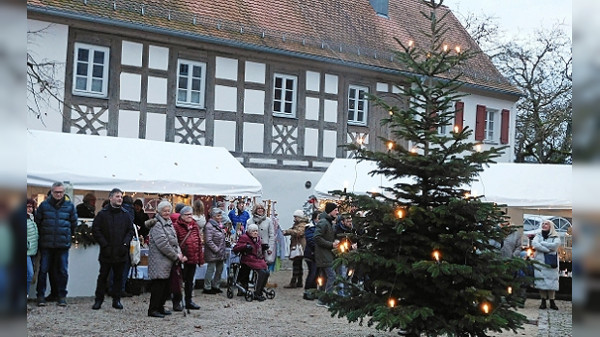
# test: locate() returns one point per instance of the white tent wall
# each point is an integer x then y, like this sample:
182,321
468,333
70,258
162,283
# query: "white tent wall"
524,186
288,189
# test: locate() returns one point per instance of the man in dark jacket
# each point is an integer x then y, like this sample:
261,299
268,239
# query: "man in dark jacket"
56,220
113,230
325,242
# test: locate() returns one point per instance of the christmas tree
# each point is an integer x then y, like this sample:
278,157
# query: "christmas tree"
427,262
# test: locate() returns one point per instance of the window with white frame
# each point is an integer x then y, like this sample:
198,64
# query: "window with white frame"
357,105
90,76
284,95
191,83
490,125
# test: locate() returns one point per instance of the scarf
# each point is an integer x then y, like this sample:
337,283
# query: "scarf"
259,218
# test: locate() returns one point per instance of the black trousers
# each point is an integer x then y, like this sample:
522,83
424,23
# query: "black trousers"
160,289
105,268
261,280
188,272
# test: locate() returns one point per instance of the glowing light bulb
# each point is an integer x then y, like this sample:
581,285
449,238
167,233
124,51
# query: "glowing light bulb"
456,129
319,281
509,290
478,147
390,145
445,47
485,307
391,303
350,272
413,150
400,213
410,43
457,49
360,141
467,195
529,252
391,112
437,255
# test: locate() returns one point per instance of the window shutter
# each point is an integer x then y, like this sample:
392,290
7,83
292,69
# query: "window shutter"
480,123
459,115
504,126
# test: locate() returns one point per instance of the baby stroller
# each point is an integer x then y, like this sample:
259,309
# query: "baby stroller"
232,281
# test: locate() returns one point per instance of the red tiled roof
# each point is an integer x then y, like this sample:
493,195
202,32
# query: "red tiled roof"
344,30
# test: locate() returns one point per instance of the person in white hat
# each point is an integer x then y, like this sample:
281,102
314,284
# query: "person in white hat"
297,246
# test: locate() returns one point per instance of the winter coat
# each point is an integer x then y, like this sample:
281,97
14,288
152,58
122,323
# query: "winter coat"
242,218
200,220
511,247
56,220
214,242
309,235
140,219
296,234
32,238
192,247
324,237
85,211
128,208
548,276
254,259
163,248
113,230
266,231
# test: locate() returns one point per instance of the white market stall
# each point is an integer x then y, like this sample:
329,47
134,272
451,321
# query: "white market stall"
520,186
100,163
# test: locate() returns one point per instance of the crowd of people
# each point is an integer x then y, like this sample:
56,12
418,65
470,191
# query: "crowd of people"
183,237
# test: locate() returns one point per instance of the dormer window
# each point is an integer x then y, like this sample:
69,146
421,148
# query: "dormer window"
380,7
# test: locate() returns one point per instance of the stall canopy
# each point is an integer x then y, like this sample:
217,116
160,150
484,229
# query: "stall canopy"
518,185
101,163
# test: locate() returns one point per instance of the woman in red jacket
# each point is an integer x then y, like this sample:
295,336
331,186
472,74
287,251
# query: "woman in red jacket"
190,242
250,246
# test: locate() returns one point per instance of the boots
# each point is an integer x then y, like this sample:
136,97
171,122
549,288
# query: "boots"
97,305
543,305
553,305
299,283
292,284
116,303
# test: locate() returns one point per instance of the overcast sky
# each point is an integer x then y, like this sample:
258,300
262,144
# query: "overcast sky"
518,17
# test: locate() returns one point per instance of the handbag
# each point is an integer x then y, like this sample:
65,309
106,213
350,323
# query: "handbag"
296,251
133,284
135,248
551,259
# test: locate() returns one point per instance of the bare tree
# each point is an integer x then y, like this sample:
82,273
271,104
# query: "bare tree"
542,70
43,88
541,67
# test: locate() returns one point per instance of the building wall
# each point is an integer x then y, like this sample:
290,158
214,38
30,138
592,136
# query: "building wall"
282,152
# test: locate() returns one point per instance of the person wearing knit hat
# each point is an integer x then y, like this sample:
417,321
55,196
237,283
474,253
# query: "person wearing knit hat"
325,242
297,241
330,206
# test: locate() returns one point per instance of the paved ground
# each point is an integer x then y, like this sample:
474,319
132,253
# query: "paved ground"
287,315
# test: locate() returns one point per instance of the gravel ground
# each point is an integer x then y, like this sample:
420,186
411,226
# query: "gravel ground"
286,315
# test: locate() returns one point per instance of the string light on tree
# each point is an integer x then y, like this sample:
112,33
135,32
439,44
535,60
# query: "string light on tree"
456,129
486,307
350,272
391,302
410,43
390,146
457,49
400,213
320,281
509,290
478,147
437,255
445,48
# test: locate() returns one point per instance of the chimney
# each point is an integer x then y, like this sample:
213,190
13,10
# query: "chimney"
380,7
